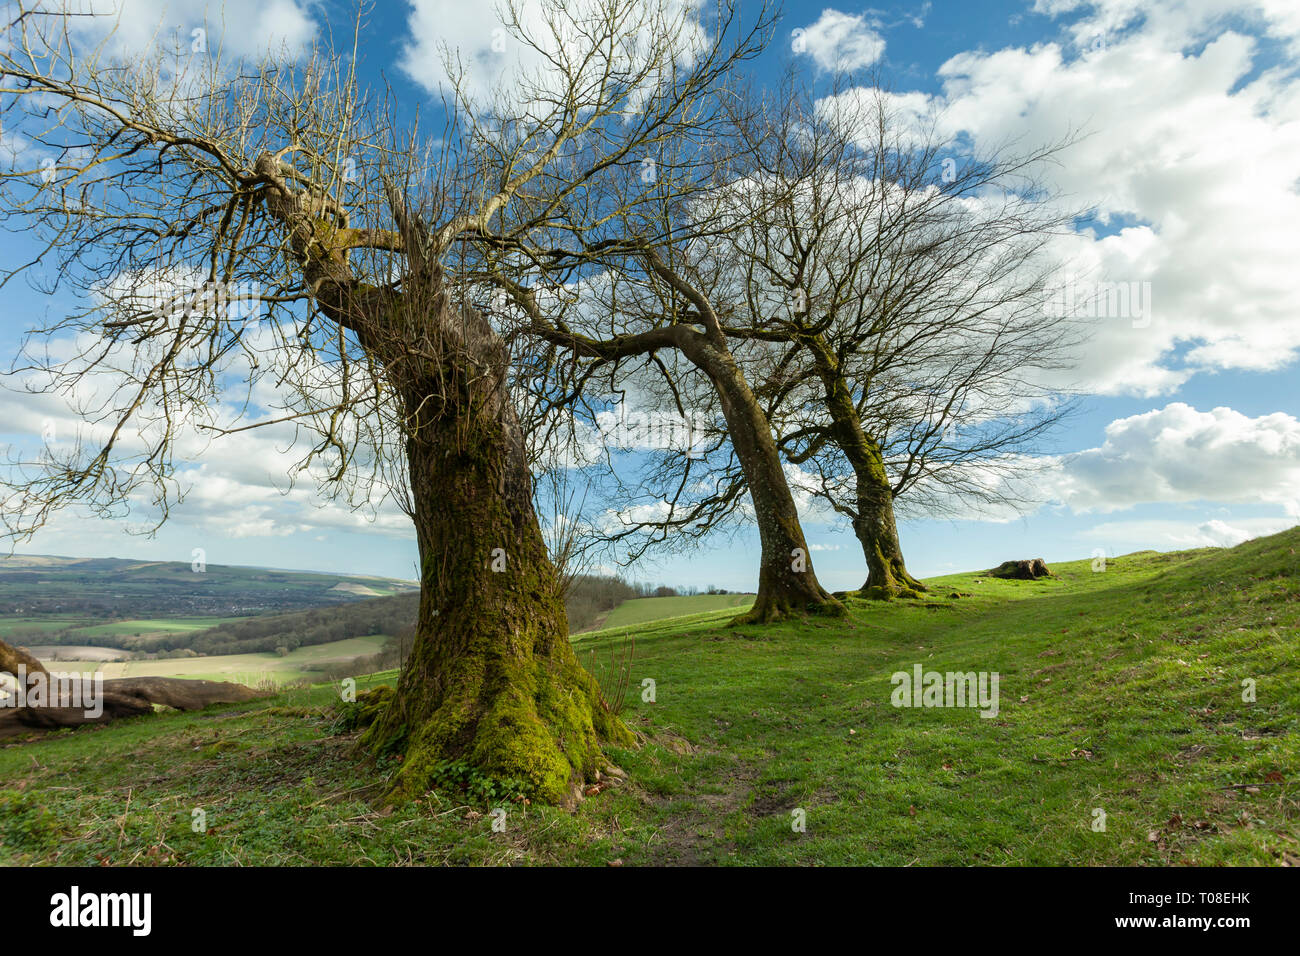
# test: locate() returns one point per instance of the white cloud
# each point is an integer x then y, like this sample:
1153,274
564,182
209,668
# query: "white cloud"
1172,20
1221,534
248,484
238,28
1191,158
839,41
1178,454
1170,455
612,521
491,59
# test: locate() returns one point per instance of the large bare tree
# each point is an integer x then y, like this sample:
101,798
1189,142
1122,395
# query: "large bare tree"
613,281
163,191
886,292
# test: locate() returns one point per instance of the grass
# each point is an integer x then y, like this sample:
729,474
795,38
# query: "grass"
154,626
39,623
301,663
643,610
1120,692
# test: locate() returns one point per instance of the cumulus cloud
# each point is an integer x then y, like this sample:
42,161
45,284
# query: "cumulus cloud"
1179,454
1172,19
237,28
1173,455
839,41
1220,534
452,42
248,484
1190,155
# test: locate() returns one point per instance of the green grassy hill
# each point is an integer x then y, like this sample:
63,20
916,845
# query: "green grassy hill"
644,610
1121,693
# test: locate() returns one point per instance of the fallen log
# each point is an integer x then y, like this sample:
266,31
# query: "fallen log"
64,704
17,660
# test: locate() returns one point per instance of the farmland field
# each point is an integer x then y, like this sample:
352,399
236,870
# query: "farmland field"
104,597
252,669
79,653
152,626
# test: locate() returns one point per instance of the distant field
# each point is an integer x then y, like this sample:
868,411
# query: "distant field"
299,664
174,625
42,593
10,624
644,610
78,652
146,627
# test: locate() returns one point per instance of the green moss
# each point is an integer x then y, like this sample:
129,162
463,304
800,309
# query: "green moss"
362,712
538,724
887,577
491,682
774,608
370,703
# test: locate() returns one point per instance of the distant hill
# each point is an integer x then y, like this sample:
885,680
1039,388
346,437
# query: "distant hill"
167,608
45,594
395,615
645,610
391,616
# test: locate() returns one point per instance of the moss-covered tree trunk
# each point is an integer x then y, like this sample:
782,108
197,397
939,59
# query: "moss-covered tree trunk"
874,523
491,679
877,531
786,582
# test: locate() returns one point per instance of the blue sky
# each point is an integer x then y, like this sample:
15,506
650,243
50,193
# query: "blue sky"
1188,434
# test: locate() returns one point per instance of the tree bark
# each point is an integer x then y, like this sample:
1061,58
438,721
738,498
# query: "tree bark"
13,658
491,682
874,523
491,679
877,531
118,697
787,584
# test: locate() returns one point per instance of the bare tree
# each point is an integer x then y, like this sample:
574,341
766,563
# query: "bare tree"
360,234
624,279
890,291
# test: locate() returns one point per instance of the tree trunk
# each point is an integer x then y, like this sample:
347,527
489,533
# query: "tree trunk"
877,531
491,683
12,659
787,584
491,679
874,524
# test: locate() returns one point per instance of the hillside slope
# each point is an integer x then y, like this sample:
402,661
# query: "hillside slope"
1121,737
646,610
